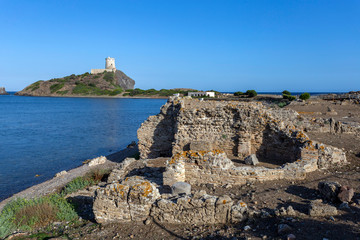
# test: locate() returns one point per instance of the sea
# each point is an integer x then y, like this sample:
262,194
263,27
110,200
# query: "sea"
41,136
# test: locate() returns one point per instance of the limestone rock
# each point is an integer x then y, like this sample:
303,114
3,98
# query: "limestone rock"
62,173
179,188
346,193
319,209
129,201
251,160
329,190
97,161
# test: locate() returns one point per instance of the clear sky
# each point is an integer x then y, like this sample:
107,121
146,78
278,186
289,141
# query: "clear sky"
204,44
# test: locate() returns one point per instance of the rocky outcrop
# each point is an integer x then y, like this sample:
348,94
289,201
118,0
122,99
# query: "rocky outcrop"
123,80
3,92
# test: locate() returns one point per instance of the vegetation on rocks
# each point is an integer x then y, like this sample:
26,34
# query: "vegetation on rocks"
248,93
102,84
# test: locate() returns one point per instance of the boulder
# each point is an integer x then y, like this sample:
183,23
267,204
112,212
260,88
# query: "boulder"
346,193
251,160
319,209
97,161
180,188
329,190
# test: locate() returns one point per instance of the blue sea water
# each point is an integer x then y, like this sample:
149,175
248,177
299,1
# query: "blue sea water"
45,135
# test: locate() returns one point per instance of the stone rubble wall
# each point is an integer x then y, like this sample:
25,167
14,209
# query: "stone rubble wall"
238,128
130,200
214,167
199,209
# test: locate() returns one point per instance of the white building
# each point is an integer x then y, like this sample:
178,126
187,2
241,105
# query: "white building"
200,94
109,66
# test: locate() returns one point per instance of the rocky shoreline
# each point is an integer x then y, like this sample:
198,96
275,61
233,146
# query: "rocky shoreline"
3,92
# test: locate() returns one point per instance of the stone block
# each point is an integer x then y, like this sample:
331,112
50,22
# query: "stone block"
180,188
319,209
251,160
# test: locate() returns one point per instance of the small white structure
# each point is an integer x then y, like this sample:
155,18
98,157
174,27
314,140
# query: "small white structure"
200,94
109,66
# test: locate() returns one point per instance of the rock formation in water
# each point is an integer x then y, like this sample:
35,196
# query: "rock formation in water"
3,92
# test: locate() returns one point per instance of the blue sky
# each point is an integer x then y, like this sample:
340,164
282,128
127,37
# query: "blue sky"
223,45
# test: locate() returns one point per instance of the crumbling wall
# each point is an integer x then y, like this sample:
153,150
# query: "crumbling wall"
214,167
238,128
156,134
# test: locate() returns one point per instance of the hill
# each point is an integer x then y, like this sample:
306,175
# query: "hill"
102,84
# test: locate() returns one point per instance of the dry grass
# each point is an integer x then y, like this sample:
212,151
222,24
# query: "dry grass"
38,215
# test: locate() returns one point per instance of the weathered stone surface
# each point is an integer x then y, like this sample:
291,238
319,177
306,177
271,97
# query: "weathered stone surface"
62,173
201,146
346,193
179,188
251,160
119,173
329,190
129,201
319,209
199,209
97,161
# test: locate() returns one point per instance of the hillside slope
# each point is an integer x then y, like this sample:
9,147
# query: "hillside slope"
102,84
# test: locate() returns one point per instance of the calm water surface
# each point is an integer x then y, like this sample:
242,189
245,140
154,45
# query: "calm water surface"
43,135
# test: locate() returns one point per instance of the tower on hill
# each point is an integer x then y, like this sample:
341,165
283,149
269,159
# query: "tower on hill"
109,66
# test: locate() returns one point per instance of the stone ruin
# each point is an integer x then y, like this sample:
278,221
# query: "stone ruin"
206,142
201,136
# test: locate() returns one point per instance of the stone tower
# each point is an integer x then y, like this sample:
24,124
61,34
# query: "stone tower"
110,63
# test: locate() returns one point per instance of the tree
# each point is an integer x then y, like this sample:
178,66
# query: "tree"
251,93
305,96
238,93
286,92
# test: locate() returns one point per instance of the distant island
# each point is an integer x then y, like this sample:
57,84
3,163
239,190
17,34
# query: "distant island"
3,92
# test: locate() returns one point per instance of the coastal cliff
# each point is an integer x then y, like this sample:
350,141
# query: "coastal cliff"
101,84
3,92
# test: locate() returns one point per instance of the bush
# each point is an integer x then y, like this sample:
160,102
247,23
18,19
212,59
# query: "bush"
251,93
77,184
109,76
56,87
282,104
238,93
286,92
289,97
26,214
305,96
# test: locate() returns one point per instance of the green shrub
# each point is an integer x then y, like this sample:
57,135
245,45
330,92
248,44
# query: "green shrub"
34,86
289,97
305,96
62,92
77,184
116,92
238,93
286,92
282,104
26,214
251,93
109,76
56,87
